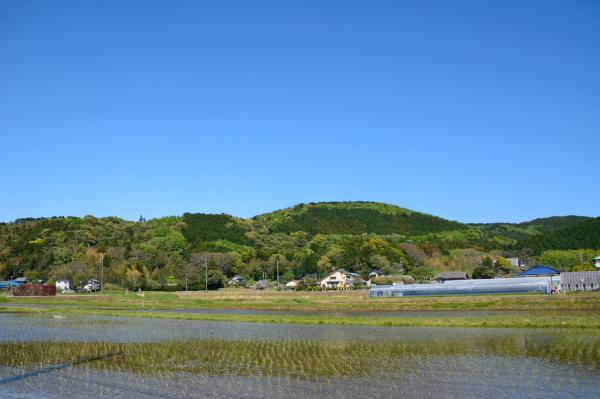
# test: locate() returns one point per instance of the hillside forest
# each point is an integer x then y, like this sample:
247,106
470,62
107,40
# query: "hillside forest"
304,242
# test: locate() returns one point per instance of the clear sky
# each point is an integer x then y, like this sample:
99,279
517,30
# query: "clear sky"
470,110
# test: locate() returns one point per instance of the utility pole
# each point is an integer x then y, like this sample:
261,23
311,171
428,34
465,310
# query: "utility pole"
278,287
206,275
186,282
101,274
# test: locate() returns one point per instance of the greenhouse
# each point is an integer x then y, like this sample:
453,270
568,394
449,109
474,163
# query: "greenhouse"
540,285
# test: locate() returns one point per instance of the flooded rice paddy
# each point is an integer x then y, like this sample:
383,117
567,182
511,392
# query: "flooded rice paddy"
107,357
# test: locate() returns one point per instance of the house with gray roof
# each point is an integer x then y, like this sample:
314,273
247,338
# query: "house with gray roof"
580,281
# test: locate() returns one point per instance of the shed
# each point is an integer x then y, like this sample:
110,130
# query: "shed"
580,281
538,271
449,276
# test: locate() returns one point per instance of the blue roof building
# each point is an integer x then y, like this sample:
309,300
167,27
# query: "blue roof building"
7,284
538,271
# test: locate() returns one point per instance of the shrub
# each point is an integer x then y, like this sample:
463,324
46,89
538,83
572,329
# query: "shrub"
389,280
481,272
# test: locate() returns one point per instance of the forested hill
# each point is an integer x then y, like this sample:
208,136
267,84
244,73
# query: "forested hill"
355,218
525,230
581,235
306,239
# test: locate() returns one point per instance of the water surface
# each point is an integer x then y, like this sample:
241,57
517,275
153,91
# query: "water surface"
106,357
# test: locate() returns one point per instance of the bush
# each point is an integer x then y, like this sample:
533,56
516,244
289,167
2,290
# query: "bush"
481,272
584,267
308,284
389,280
422,274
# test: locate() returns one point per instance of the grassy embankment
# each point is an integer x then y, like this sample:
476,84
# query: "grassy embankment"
580,310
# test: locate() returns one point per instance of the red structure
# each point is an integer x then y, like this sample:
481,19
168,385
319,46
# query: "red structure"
34,290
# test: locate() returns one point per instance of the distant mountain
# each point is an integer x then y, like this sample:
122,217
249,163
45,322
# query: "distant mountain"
523,231
579,236
355,218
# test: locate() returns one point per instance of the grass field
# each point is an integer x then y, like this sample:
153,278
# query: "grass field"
348,301
580,310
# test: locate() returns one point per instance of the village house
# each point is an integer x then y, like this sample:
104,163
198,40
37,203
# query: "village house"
580,281
597,262
339,280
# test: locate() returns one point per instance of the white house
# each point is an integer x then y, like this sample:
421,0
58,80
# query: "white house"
339,280
63,285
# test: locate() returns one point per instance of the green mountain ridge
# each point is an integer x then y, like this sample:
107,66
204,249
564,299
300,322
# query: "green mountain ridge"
305,239
355,218
524,230
582,235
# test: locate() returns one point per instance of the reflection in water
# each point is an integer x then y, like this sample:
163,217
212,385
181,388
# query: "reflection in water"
323,361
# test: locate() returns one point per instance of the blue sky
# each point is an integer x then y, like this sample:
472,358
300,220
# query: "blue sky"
476,111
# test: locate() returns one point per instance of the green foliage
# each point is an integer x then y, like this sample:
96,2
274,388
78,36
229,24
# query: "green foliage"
308,239
200,227
391,279
525,230
216,280
485,269
584,267
566,260
502,265
481,272
355,218
466,238
582,235
422,274
487,262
